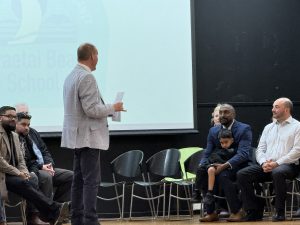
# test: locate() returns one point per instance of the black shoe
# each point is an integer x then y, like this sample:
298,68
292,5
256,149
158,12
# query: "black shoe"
209,199
253,215
278,217
196,198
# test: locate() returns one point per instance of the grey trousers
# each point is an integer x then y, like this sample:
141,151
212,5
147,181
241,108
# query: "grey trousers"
86,166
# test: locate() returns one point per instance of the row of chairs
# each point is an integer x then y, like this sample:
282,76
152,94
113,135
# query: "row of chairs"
127,170
163,172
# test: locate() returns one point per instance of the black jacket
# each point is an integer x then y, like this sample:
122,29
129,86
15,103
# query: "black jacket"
29,155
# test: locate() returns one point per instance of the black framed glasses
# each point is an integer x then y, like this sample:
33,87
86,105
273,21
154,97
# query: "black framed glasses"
11,117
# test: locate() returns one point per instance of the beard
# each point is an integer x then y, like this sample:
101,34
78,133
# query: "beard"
9,127
225,122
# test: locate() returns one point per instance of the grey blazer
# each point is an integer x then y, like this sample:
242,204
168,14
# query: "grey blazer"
85,114
5,157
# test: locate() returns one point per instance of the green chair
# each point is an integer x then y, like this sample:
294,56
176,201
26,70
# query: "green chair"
185,153
186,182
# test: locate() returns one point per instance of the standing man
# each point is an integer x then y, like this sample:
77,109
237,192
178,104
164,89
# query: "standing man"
85,130
226,172
277,154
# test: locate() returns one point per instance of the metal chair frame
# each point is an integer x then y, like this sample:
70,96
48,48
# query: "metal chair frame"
124,166
167,166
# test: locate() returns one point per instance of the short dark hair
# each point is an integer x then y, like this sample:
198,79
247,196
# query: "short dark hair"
85,51
231,108
5,108
225,133
22,115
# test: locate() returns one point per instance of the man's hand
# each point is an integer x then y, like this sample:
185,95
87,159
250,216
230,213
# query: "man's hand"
49,168
24,176
221,167
269,165
119,107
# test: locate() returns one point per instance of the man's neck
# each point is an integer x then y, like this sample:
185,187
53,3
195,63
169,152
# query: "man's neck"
229,125
281,120
85,65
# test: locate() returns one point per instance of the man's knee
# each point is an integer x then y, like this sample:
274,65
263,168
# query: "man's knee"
278,173
44,177
241,175
34,180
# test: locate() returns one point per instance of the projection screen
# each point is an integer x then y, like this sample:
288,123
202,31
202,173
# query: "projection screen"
145,50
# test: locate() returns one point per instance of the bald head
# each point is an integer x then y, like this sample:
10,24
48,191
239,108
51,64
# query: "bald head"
22,107
282,109
226,114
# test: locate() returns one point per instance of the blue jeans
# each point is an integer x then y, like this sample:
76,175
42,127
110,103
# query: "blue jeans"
85,184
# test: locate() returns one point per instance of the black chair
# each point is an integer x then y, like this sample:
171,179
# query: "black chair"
190,166
192,163
161,165
128,166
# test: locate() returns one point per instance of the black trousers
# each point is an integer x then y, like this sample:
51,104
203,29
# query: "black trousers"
225,182
249,175
49,210
58,186
85,185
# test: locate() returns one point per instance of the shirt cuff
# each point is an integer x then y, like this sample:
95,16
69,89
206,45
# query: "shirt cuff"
229,165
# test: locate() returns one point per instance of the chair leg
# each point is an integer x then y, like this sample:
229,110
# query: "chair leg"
177,200
188,196
118,200
131,201
123,198
170,198
150,201
23,212
164,200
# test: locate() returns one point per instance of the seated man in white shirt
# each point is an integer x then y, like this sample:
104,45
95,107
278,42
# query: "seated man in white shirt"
277,156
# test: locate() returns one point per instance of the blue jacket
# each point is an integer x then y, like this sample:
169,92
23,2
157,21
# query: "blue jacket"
242,135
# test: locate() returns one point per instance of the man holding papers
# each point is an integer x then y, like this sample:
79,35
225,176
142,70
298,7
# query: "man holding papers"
85,130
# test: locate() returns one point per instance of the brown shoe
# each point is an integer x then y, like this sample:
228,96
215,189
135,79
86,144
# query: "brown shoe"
210,218
35,220
236,217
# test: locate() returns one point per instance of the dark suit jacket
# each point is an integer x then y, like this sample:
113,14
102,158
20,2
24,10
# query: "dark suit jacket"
30,157
242,135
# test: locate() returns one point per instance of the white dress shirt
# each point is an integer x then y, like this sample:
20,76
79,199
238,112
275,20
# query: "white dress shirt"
280,142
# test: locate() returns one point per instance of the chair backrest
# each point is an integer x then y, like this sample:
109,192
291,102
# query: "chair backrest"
185,153
253,157
192,163
165,163
128,164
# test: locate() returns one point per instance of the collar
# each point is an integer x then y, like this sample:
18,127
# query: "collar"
288,120
230,126
85,67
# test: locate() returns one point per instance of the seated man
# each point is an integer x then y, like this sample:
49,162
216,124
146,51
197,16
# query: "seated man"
38,160
14,175
226,172
277,154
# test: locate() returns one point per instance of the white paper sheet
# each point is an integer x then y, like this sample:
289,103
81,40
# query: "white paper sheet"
117,115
